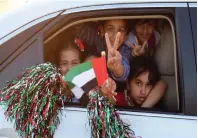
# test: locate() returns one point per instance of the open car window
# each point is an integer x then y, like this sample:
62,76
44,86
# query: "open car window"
165,55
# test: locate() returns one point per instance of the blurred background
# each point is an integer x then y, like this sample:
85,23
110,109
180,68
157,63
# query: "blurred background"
10,5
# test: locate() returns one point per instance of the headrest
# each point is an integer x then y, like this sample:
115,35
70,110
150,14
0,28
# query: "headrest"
165,52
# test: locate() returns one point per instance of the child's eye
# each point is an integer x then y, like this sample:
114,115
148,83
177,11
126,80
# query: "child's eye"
149,85
138,83
110,29
75,63
122,30
63,63
150,25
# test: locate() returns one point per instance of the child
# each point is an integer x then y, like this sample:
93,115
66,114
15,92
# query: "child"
143,38
143,77
69,56
119,53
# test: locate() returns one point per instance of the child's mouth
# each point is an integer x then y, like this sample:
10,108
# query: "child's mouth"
141,99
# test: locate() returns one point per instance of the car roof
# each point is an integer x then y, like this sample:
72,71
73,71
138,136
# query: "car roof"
13,20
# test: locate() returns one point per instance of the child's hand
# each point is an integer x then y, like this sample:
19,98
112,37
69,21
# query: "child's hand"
108,89
114,56
138,50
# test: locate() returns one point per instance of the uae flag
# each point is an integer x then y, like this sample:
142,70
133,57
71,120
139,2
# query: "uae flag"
86,76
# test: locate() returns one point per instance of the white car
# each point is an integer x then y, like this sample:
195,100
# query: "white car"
30,35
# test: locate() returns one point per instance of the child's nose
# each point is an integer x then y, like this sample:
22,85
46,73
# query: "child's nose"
112,39
145,29
143,91
69,67
114,36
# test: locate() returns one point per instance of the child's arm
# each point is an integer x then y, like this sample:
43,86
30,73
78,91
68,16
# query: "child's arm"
118,62
155,95
125,52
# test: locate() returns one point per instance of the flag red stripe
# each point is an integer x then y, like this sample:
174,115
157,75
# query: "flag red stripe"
99,66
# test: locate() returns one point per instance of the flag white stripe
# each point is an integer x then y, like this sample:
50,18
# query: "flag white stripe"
81,79
77,91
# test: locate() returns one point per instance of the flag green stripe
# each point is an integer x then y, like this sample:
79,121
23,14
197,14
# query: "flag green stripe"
70,85
76,70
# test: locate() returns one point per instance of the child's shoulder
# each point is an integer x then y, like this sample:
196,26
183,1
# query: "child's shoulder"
130,38
124,49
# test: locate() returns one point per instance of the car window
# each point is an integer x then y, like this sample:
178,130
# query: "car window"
163,42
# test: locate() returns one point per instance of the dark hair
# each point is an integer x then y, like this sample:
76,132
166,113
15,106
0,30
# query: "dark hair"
125,20
145,20
133,22
142,64
92,41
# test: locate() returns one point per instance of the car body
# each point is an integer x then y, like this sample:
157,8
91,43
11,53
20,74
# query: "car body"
25,31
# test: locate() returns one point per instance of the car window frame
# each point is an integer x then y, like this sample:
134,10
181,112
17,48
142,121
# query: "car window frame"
187,62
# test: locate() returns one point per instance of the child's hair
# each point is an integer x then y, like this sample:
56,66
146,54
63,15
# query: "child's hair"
69,44
92,41
142,64
143,21
102,23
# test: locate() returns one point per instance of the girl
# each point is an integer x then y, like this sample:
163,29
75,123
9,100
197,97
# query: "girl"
69,56
142,79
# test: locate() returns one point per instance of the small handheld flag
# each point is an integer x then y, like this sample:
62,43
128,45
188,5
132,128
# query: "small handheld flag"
86,76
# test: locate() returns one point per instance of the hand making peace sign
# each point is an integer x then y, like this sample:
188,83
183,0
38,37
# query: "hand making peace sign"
114,56
138,50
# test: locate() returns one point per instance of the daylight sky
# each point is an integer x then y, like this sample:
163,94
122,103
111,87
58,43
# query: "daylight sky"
9,5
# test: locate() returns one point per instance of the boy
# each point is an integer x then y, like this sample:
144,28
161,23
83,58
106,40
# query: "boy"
118,53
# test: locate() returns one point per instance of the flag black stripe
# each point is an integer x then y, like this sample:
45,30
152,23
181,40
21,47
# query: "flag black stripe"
90,85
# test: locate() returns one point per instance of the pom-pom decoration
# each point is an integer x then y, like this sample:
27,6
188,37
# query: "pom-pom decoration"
31,100
104,120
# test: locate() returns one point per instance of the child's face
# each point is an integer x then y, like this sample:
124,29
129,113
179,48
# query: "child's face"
68,59
139,88
144,30
112,27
